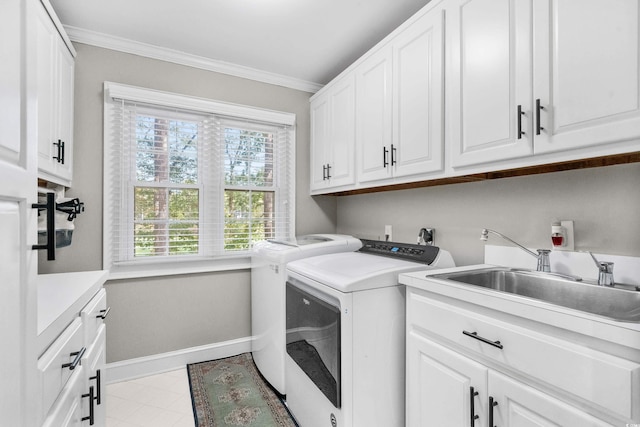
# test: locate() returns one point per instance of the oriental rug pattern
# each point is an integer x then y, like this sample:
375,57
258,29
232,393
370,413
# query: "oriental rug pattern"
231,392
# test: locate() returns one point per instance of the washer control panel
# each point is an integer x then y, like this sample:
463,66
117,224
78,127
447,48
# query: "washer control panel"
404,251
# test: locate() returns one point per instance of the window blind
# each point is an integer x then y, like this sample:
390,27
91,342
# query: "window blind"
184,185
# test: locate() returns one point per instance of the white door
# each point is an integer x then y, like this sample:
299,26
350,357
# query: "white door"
18,177
66,68
418,87
489,81
587,73
46,67
374,117
319,140
341,144
439,386
518,405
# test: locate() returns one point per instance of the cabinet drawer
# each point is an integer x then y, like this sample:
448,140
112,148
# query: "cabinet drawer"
93,315
603,379
59,363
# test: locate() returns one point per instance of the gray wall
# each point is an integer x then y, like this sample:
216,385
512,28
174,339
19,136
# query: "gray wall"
156,315
134,329
603,203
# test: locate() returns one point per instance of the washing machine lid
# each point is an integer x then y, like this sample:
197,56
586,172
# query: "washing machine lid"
305,246
357,271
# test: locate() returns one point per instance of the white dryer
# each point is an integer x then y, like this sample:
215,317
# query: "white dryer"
268,277
346,334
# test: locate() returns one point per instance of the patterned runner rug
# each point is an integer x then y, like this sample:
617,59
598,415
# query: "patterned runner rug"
231,392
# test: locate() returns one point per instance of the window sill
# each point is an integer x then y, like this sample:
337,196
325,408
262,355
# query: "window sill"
178,268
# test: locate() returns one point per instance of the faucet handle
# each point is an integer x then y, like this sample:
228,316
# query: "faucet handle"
605,271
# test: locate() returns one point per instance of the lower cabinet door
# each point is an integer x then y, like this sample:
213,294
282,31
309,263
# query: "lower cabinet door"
94,363
518,405
444,388
67,411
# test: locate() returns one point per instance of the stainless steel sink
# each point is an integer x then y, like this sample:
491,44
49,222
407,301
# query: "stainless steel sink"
617,303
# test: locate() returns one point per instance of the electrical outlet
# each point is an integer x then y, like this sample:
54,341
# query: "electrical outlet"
388,233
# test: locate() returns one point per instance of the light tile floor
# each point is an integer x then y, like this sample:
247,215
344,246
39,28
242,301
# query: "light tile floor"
162,400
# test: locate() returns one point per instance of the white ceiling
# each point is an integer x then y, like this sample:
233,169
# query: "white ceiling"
307,40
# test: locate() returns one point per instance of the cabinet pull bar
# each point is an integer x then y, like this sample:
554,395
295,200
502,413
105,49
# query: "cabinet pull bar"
98,378
492,404
76,361
62,159
328,171
91,396
520,114
50,207
385,163
58,156
103,313
472,394
324,172
484,340
393,155
538,108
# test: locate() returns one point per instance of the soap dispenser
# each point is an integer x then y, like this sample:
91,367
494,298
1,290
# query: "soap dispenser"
557,235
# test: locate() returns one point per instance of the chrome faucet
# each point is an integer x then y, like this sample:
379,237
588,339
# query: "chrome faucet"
605,272
542,256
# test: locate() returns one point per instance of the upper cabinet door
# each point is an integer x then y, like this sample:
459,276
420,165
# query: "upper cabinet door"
319,141
55,74
586,72
333,136
489,81
374,116
341,145
418,87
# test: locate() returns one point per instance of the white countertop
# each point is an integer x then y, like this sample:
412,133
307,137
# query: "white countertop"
61,297
622,333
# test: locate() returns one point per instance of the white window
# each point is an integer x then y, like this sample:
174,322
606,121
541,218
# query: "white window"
191,184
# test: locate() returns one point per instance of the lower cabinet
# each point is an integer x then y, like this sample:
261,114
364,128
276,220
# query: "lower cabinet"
445,388
71,371
467,365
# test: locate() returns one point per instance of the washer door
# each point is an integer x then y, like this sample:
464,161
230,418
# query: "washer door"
313,340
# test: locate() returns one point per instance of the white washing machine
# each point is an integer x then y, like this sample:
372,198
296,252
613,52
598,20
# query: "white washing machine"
345,363
268,278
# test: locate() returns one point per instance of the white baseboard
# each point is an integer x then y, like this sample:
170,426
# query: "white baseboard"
170,361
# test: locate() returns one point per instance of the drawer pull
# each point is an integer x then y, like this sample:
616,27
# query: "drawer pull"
91,396
472,394
492,404
484,340
76,361
103,313
98,379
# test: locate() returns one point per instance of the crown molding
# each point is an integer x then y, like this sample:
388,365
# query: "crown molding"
93,38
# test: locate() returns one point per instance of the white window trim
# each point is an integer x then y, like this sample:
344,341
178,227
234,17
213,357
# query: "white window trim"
151,268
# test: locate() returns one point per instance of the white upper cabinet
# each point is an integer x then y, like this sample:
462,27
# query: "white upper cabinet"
418,87
488,81
399,104
375,152
586,73
532,77
332,136
55,74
